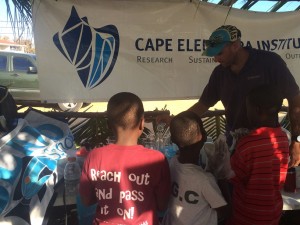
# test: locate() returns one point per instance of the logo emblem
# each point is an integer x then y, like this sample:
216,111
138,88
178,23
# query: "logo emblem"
92,51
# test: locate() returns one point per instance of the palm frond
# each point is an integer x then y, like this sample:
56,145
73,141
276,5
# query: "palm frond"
19,14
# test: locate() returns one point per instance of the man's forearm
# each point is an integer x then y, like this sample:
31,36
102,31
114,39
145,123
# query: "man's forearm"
199,108
294,114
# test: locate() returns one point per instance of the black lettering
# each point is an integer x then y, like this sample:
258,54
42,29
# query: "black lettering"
175,189
180,45
189,199
149,45
295,43
137,44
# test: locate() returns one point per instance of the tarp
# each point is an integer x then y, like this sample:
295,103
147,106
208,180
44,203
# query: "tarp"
88,50
31,156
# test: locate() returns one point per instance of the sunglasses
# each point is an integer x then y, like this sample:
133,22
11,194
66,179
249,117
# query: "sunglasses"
214,43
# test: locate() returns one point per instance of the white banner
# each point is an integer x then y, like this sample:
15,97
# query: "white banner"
88,50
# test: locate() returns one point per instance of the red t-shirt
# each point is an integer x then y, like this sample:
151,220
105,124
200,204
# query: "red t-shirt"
126,181
260,163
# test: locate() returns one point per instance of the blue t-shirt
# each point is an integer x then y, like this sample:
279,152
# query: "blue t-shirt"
262,67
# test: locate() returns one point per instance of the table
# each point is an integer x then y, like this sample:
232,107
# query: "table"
291,208
291,201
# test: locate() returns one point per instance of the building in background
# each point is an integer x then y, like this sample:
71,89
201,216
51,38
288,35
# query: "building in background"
7,45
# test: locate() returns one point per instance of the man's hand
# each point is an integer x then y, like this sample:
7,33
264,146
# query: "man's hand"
294,154
164,118
199,108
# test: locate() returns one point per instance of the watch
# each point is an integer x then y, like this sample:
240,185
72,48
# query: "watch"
296,138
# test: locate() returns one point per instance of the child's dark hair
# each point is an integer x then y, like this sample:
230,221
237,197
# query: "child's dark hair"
124,110
267,97
185,127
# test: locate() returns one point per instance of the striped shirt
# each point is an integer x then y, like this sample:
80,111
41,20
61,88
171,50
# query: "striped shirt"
260,163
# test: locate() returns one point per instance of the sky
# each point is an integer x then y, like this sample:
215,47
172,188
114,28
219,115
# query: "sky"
5,29
261,6
6,26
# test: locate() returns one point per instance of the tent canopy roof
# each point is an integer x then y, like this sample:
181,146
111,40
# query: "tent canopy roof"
19,12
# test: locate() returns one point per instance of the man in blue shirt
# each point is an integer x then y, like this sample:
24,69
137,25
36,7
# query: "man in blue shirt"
241,69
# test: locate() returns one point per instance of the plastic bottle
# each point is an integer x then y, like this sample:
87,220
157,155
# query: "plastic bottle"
72,173
170,150
81,155
159,139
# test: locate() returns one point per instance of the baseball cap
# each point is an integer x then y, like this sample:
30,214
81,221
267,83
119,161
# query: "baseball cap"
219,38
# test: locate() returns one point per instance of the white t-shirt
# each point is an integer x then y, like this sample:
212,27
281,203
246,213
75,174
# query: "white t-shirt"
195,195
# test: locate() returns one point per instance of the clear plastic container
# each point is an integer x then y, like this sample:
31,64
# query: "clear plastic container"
170,151
81,154
72,173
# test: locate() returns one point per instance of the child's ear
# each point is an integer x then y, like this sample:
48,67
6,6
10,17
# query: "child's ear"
142,123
